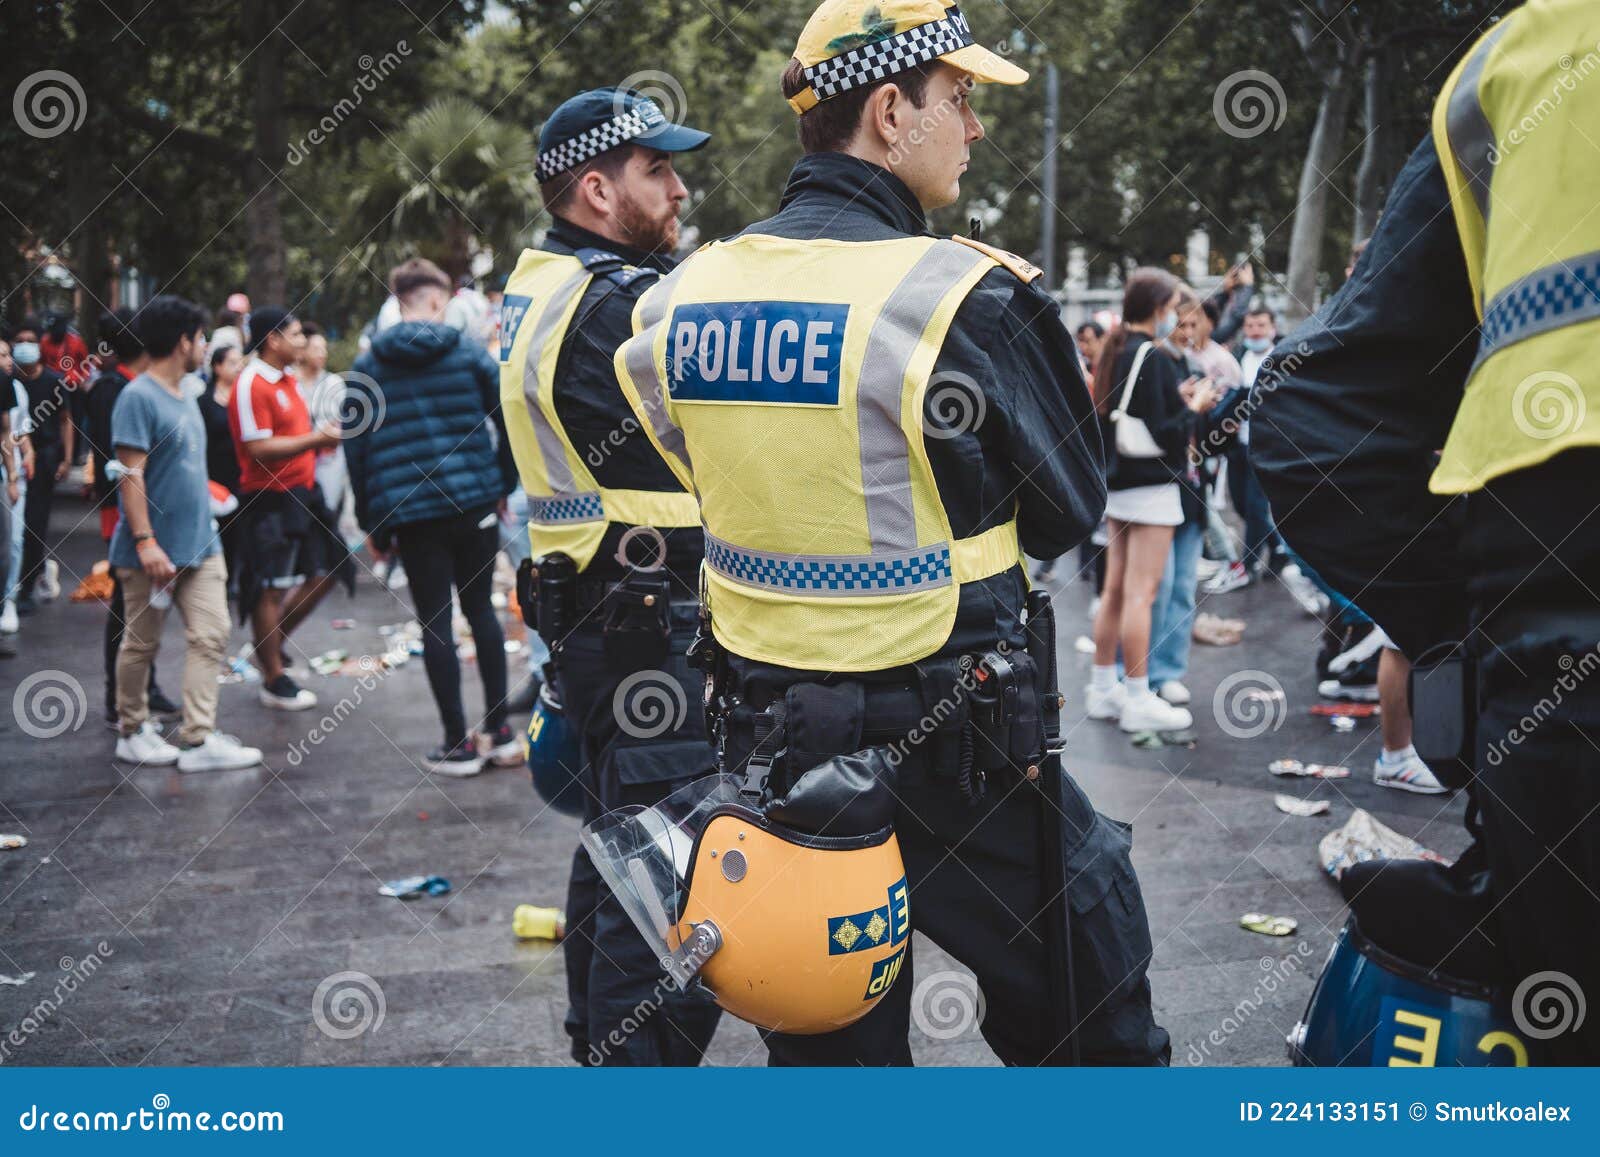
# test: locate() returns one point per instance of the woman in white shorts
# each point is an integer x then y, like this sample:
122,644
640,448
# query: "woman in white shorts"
1143,503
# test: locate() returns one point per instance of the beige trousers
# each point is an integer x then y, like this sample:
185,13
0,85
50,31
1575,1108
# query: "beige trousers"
201,595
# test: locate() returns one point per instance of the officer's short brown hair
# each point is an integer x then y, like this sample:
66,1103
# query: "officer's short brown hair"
416,273
831,124
559,189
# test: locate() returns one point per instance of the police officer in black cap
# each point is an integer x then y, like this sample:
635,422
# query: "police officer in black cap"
615,538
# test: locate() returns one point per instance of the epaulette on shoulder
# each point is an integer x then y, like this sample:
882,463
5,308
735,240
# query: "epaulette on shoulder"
604,263
1021,266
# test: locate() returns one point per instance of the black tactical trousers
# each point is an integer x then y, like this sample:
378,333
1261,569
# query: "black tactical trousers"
643,736
1538,789
976,874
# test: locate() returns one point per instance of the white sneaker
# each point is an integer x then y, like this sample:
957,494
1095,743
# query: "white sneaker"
146,747
288,696
50,581
1350,692
1231,578
1312,601
218,752
1107,703
8,618
1174,692
1409,774
1207,568
1150,712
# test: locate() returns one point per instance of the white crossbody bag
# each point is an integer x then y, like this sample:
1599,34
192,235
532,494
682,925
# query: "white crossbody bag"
1133,436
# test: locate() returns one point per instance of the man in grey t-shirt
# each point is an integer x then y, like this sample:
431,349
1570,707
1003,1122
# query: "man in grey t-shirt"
165,547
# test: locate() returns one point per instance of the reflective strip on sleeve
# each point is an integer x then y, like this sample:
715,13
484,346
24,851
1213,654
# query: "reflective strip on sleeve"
898,330
1472,138
639,356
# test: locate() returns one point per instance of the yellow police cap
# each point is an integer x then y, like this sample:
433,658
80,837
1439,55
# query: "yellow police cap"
850,43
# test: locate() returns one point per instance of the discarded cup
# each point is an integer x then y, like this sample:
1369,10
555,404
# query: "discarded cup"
413,886
529,922
1268,925
1289,805
10,842
1343,724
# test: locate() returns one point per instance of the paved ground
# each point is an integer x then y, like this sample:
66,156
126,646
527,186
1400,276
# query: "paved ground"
223,901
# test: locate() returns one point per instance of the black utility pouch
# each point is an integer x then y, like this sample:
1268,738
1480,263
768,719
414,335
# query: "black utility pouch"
1443,688
555,579
638,631
528,595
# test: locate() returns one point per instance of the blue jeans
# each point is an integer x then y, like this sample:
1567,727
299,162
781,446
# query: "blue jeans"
1172,616
1261,540
14,571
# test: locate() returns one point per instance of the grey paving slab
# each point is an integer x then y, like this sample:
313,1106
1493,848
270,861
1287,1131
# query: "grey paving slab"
226,900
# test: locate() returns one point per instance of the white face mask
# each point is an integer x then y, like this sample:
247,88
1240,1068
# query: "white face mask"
1167,325
25,353
1258,345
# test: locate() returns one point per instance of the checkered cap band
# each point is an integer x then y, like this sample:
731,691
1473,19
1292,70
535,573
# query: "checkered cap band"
644,116
883,58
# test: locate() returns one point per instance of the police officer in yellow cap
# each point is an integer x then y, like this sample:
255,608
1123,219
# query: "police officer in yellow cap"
615,539
1470,323
876,422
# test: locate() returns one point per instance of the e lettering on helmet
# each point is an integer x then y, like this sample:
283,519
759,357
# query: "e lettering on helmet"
785,353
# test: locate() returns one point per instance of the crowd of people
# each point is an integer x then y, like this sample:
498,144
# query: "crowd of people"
226,482
1174,399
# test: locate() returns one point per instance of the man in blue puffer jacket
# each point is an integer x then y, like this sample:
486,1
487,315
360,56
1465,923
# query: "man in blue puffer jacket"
430,465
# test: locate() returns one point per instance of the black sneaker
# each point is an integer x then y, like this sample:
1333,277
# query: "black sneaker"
8,647
160,704
284,694
26,605
460,761
1357,684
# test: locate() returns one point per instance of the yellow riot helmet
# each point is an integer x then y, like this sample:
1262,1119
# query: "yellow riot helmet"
793,932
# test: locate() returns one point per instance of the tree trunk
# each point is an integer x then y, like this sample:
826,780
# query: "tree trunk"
267,264
1311,214
1374,175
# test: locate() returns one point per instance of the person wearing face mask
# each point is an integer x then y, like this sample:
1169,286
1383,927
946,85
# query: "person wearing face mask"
53,436
10,470
19,465
876,422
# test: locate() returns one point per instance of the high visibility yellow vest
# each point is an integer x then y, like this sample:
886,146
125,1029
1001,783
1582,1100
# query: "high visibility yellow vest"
568,510
785,381
1518,133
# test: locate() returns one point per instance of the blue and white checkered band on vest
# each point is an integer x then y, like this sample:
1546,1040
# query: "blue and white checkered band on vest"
883,58
644,116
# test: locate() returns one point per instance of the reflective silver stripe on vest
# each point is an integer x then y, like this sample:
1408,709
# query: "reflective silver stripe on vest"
1551,298
1471,135
552,447
898,572
639,358
885,454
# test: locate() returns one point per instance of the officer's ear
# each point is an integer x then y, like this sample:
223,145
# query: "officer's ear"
885,117
595,189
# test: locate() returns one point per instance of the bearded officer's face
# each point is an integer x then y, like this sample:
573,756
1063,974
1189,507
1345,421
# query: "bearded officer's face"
649,196
929,146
